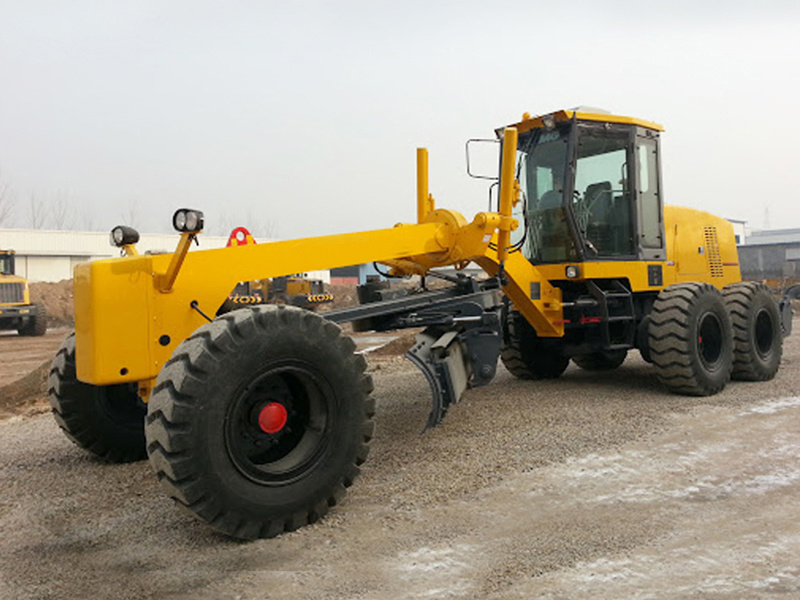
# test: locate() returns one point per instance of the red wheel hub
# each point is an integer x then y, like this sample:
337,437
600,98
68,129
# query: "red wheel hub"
272,417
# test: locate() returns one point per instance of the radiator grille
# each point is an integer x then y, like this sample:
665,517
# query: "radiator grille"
712,252
11,292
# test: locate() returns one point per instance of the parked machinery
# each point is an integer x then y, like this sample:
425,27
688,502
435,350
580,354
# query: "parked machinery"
257,420
296,289
16,310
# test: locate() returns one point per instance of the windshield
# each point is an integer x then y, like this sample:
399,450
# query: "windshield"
6,265
542,159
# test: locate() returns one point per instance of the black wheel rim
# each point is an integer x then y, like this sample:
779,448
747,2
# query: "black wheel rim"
298,441
709,341
764,333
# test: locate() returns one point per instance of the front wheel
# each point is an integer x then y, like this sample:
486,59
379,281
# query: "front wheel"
690,339
260,420
106,420
37,322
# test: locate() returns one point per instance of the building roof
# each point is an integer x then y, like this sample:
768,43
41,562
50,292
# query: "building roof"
774,236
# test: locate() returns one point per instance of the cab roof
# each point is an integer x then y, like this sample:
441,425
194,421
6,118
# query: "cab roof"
581,113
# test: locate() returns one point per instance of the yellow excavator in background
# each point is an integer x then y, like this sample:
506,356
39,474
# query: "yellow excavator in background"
259,419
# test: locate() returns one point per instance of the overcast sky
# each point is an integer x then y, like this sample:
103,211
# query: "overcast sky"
303,117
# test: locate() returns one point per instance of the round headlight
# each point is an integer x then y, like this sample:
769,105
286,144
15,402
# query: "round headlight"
179,220
572,272
122,236
191,220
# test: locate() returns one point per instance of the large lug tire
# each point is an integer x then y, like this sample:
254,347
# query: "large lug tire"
604,360
260,420
757,335
105,420
690,339
528,356
36,324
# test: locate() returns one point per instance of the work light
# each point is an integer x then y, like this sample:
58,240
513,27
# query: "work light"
187,220
122,236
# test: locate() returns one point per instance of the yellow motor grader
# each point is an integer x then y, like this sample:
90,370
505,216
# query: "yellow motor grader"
259,419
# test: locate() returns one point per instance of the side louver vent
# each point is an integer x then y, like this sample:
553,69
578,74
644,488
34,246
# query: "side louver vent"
712,252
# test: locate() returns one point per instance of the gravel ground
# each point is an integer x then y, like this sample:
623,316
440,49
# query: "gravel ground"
592,486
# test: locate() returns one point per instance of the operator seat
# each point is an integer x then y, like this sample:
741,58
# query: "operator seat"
599,205
555,235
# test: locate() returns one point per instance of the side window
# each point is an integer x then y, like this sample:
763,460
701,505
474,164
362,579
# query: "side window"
649,200
544,180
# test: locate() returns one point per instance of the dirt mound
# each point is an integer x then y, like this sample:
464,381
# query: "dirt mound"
27,395
344,296
57,300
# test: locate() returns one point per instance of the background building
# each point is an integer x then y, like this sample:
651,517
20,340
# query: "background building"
771,254
52,255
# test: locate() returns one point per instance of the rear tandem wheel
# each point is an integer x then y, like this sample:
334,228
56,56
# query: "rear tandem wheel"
260,420
690,339
757,335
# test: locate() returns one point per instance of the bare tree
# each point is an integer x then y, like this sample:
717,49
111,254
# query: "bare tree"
61,214
130,216
7,202
225,224
260,226
87,218
37,212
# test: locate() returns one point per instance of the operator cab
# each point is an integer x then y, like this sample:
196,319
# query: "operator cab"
591,188
6,262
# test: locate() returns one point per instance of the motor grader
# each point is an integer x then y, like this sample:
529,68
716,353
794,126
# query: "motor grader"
258,420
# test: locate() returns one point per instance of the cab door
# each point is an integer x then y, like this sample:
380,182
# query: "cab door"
649,201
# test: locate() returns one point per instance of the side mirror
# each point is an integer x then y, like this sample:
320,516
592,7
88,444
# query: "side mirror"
483,159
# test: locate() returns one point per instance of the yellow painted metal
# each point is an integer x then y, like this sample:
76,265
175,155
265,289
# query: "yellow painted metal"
700,247
425,202
11,278
113,312
126,328
167,280
566,115
26,298
507,191
545,312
